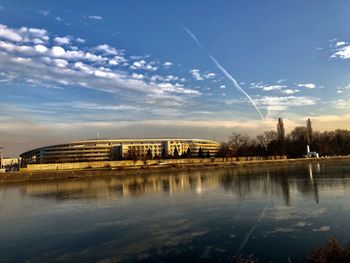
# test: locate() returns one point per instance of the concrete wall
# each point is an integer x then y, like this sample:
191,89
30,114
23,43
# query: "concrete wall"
140,163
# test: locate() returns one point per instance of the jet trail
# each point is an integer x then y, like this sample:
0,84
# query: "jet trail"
222,69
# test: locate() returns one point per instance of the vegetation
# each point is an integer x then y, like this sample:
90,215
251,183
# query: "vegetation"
269,143
293,144
176,153
332,251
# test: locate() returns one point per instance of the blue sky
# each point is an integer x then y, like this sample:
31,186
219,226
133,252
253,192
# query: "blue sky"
70,69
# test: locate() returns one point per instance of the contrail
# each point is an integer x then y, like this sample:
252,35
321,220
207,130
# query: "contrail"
222,69
250,232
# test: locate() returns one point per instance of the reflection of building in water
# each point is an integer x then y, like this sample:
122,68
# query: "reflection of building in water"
282,182
121,187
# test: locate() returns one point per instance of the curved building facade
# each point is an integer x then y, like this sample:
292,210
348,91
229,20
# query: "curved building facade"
118,149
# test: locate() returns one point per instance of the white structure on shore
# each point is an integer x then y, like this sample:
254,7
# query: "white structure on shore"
311,154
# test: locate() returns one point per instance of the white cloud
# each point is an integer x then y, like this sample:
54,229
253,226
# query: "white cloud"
95,106
137,76
35,32
342,104
61,63
171,78
56,66
40,48
209,75
107,49
20,59
290,101
95,17
340,43
268,87
196,74
265,87
38,41
222,86
307,85
281,81
9,34
177,88
272,87
290,91
44,12
167,64
342,89
342,51
94,58
62,40
142,64
155,78
57,51
10,47
80,40
283,103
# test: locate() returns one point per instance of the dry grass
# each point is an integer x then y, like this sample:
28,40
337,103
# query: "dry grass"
332,251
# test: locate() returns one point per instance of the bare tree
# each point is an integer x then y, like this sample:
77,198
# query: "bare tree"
266,138
280,130
237,141
309,131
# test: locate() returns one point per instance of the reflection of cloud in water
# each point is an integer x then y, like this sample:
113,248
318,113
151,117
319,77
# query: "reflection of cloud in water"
279,230
295,213
157,244
139,243
322,229
303,224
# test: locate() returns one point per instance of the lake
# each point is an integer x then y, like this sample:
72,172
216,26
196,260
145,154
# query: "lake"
272,212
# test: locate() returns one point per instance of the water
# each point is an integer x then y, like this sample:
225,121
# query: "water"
273,212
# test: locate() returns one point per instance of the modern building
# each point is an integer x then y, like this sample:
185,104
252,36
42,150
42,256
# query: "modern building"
10,162
118,149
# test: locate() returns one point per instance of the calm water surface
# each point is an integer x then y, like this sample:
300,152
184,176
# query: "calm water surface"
205,215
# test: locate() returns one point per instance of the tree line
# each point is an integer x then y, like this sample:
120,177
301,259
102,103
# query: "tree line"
293,144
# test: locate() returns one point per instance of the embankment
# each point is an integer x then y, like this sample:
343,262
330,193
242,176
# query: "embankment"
123,168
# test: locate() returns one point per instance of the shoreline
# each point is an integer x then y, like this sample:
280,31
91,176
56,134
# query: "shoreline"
28,176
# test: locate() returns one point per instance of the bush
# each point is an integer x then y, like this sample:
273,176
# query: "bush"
332,251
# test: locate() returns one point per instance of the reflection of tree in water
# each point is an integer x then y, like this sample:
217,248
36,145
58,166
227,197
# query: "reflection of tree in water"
242,183
248,182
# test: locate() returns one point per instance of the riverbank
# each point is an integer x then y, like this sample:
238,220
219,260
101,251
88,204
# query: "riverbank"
27,175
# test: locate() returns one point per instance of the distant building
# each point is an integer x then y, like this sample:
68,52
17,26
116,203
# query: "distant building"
10,164
117,149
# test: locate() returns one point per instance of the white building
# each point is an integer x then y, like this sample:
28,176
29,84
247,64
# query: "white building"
117,149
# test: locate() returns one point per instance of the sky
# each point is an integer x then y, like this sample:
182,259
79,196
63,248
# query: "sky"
72,70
